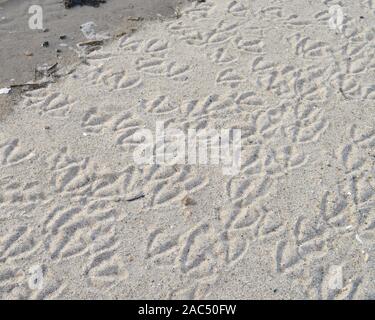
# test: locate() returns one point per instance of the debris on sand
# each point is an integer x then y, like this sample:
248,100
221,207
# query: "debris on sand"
141,196
90,43
30,86
88,30
93,3
87,47
45,70
5,90
187,201
135,19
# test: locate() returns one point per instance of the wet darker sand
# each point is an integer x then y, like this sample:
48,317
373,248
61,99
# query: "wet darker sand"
21,50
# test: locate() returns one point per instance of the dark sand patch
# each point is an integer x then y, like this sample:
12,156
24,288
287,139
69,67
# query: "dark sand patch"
21,51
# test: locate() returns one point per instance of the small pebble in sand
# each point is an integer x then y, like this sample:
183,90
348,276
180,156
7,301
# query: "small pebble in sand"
366,257
188,201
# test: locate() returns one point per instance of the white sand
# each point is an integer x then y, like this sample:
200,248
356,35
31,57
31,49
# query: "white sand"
296,222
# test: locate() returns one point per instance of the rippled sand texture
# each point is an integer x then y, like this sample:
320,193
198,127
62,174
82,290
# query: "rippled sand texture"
301,210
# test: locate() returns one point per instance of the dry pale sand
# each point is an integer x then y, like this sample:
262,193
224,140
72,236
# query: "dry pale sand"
295,222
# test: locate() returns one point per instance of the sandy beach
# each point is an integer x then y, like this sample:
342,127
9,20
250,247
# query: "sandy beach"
21,47
291,217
